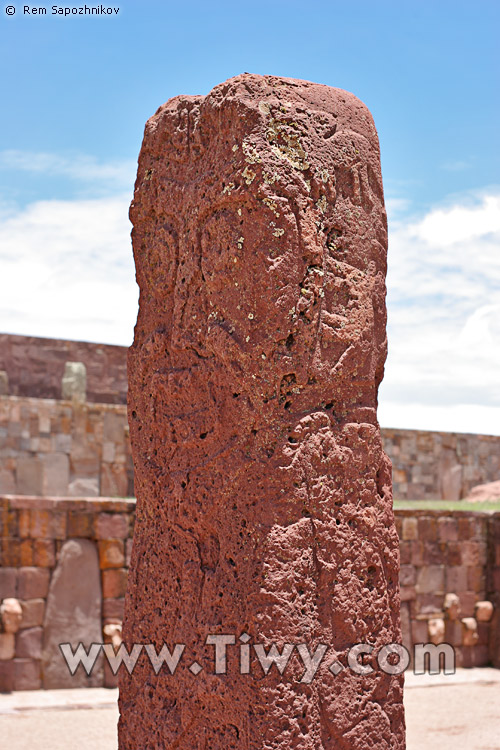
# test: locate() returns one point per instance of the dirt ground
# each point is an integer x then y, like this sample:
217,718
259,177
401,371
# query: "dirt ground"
448,713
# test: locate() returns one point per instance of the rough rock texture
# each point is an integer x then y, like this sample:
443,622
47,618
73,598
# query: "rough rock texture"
482,493
73,615
264,495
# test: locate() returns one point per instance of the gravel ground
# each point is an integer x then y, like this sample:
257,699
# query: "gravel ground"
448,713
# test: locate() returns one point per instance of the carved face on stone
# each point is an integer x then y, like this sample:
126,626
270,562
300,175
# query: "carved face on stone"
11,615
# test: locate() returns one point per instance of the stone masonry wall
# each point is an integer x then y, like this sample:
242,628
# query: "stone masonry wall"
446,557
441,553
35,367
440,465
62,448
33,531
49,447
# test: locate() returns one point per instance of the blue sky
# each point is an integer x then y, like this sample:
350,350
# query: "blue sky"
77,90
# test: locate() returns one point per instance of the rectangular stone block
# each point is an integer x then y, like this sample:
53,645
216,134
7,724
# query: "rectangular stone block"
26,552
27,674
33,583
427,529
29,475
112,526
48,524
407,575
410,529
114,583
80,524
55,474
29,643
9,553
430,579
8,583
44,553
408,593
33,611
112,609
6,676
456,579
454,553
419,631
7,646
474,553
476,578
9,525
111,553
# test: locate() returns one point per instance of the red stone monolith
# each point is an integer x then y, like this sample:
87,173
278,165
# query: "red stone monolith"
264,508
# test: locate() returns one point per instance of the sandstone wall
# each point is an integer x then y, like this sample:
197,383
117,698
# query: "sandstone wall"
440,465
35,367
32,534
62,448
453,552
46,445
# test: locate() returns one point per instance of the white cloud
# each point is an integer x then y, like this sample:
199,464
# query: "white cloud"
79,167
444,320
68,272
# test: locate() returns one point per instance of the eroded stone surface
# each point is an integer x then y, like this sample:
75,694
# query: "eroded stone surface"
264,495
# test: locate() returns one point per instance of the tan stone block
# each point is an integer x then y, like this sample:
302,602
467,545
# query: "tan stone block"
417,553
407,593
29,475
456,579
26,552
474,553
407,575
27,674
112,526
24,523
44,553
113,608
47,524
410,529
8,583
7,646
111,553
84,487
33,611
427,529
114,583
7,481
6,676
430,579
476,579
447,530
114,480
80,524
9,553
55,474
33,583
29,643
419,631
453,632
468,601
